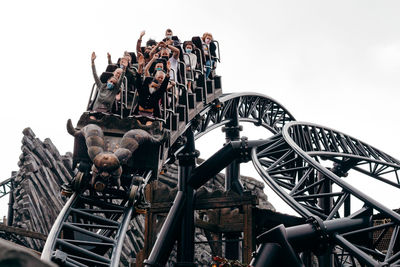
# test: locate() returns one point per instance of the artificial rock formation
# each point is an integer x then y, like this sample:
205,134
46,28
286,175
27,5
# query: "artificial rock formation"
37,198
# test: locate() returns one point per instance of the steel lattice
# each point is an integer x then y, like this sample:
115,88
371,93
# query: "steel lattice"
292,166
255,108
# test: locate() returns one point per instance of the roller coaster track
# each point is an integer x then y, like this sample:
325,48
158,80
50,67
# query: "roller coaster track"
5,187
292,165
250,107
90,229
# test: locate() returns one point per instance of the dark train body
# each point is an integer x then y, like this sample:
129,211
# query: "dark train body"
146,157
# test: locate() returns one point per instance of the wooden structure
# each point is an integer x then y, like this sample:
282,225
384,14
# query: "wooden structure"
217,213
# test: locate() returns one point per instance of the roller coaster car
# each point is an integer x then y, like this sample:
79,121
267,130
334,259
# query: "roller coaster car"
145,155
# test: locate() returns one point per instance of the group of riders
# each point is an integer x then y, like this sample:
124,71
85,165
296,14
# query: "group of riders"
153,70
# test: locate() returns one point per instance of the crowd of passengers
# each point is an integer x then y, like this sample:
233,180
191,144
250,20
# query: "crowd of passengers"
154,69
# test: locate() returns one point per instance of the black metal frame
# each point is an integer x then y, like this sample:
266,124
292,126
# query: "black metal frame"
91,227
291,166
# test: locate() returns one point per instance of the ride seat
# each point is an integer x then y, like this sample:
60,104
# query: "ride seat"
105,76
196,40
111,67
133,56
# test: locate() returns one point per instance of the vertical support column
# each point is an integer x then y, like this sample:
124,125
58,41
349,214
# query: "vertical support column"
232,133
150,224
187,162
232,182
248,232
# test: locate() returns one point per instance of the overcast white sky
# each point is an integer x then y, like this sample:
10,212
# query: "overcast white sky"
335,63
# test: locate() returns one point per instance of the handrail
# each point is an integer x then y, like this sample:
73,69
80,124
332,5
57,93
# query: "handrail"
90,97
126,91
201,61
165,107
135,93
174,88
173,93
184,67
219,53
125,82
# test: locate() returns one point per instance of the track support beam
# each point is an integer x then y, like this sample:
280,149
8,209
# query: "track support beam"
187,163
232,182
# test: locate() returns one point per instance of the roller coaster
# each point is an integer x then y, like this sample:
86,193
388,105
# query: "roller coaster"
305,164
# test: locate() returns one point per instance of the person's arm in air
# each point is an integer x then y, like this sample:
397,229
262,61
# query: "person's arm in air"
155,48
95,76
175,51
140,63
146,69
139,42
109,58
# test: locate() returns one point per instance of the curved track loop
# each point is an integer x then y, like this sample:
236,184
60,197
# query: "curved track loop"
293,167
250,107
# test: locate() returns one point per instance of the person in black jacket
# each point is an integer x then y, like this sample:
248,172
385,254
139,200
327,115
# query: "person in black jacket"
150,93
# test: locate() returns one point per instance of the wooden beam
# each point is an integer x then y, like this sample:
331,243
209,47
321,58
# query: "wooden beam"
219,228
209,203
23,232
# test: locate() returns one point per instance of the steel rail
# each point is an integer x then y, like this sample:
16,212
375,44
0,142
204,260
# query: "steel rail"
330,175
56,228
120,237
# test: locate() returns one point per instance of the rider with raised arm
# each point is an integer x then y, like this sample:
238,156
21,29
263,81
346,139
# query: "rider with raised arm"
106,91
166,48
139,43
151,91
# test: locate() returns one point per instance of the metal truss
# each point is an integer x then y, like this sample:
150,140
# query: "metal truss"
250,107
292,167
91,228
5,187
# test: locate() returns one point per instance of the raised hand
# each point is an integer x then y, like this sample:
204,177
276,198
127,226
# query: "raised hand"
142,34
169,66
93,56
